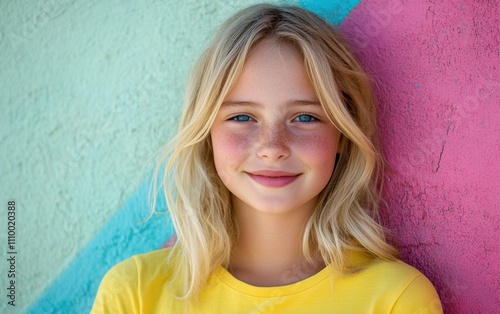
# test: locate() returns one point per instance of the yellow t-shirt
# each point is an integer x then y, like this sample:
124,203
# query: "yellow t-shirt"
140,285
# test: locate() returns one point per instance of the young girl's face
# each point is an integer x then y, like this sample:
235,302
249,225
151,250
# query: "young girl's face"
274,147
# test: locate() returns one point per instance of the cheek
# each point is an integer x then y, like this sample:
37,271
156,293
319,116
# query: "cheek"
320,151
229,149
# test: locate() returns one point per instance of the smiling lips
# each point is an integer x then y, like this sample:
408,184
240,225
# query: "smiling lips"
272,178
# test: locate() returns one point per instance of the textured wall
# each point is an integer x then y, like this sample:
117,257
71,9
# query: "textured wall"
90,90
436,65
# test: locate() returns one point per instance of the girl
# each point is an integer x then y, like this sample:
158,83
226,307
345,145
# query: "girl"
271,185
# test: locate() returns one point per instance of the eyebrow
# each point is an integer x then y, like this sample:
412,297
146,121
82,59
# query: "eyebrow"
231,103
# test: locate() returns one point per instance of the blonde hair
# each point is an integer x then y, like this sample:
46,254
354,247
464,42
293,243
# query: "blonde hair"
346,215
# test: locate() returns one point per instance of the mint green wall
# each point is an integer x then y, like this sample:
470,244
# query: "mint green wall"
90,90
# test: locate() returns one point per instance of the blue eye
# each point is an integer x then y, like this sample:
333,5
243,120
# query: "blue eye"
241,118
305,118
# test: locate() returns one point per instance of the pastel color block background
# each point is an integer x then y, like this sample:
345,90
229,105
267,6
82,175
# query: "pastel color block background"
91,90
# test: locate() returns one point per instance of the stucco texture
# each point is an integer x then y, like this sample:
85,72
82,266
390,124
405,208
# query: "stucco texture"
436,68
91,90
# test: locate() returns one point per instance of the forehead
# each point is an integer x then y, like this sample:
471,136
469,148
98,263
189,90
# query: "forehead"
272,68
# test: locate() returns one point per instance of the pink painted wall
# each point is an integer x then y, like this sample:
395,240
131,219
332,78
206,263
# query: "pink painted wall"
436,67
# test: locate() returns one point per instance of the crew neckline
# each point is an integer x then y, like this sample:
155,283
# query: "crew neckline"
226,278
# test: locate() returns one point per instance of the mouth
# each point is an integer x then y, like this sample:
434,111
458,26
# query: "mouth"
272,178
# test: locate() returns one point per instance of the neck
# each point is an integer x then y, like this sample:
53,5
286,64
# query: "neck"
268,251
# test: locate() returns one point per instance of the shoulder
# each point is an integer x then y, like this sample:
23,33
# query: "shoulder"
140,266
402,287
416,293
125,284
394,272
154,261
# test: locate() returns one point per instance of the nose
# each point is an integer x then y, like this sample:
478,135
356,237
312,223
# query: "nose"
273,142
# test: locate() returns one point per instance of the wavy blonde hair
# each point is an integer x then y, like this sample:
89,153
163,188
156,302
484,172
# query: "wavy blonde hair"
345,218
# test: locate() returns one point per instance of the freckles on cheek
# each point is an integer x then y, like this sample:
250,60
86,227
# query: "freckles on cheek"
320,148
229,152
227,144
